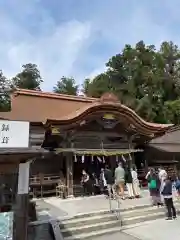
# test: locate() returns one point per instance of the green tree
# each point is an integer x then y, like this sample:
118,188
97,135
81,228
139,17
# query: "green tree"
28,78
66,86
4,93
172,111
171,69
97,86
145,79
86,87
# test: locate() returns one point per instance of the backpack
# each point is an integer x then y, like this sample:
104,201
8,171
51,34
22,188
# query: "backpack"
177,184
152,184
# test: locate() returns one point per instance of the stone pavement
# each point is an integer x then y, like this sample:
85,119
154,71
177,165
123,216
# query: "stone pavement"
55,207
117,236
157,229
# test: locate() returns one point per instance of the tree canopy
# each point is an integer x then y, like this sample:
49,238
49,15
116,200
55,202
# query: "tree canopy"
28,78
5,88
144,78
66,86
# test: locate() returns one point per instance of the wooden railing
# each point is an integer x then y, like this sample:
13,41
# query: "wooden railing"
45,184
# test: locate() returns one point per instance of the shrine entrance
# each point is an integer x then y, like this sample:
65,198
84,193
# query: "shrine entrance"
104,132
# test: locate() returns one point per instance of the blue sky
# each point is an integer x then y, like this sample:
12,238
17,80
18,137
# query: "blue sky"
77,37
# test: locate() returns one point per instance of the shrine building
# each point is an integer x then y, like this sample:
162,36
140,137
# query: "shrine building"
83,133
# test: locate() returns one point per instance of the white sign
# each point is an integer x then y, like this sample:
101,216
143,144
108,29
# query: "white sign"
23,179
14,134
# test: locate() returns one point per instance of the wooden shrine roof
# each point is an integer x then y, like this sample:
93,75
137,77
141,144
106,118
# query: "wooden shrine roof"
171,148
36,106
43,107
169,142
172,136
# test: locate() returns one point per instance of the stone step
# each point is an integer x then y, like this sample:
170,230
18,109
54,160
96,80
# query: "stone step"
94,225
104,217
104,212
143,218
87,220
89,225
91,235
99,217
89,231
89,228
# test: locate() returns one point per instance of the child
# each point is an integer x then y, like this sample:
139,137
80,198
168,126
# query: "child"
168,199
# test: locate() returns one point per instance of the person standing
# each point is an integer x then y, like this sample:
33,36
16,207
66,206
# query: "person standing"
162,176
120,179
168,199
177,185
85,181
95,184
110,182
154,188
103,183
136,187
129,183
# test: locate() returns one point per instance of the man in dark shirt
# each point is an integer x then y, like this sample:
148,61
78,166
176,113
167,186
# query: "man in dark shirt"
168,199
108,175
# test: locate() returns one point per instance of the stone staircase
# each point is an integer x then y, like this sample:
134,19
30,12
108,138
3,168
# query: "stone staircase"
87,226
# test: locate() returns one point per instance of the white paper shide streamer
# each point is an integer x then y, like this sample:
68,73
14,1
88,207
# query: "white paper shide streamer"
99,159
123,158
82,159
75,158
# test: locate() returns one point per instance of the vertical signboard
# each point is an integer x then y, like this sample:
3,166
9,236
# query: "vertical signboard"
23,179
14,134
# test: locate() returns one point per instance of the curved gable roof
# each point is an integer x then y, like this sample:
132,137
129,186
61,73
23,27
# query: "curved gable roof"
36,106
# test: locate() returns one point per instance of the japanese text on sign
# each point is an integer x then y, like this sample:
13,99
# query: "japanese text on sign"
14,134
4,138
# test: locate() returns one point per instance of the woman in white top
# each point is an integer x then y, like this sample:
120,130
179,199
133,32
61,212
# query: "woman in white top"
136,187
162,176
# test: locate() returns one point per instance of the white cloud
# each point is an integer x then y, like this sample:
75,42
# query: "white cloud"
54,51
57,47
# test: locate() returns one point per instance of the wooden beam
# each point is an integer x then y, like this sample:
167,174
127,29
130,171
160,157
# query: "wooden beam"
8,168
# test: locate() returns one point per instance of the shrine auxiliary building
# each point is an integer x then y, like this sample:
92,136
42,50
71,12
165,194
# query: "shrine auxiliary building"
81,133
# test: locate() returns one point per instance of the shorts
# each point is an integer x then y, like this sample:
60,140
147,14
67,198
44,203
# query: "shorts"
120,182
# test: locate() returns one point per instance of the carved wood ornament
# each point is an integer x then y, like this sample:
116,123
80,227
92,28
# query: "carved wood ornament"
109,97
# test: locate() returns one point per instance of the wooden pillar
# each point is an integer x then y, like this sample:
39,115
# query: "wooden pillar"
20,221
131,159
69,174
69,165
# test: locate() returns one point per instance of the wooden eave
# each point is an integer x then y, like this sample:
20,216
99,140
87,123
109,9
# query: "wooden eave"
16,155
146,128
